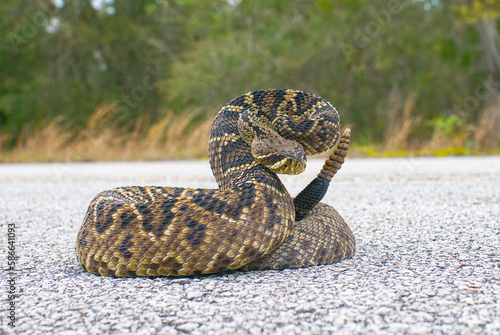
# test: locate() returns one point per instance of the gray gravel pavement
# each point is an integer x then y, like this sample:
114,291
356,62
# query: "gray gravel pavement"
427,259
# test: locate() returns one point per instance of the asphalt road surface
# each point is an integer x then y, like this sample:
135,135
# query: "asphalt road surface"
427,259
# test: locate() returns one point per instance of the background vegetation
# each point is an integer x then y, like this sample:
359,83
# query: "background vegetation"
85,80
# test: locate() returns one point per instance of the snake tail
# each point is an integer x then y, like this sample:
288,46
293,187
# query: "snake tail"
312,194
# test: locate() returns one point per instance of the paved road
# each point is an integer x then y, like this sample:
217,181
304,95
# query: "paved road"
427,260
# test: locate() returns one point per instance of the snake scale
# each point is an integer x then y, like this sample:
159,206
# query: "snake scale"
250,222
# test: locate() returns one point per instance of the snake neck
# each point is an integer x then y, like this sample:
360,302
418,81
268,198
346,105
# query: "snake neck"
231,160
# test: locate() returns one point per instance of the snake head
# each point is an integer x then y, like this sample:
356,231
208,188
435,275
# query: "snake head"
279,155
268,148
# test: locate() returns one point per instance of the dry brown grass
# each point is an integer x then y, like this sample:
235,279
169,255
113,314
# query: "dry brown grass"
179,137
487,133
450,135
401,122
173,137
43,144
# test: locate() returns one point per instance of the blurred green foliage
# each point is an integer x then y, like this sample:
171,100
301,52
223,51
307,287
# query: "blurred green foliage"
151,58
447,126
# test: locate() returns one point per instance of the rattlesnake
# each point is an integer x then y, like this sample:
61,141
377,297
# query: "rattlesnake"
250,222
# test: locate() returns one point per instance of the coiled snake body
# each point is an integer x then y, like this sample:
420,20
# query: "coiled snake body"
250,222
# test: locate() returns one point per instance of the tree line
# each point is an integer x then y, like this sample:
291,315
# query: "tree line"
401,73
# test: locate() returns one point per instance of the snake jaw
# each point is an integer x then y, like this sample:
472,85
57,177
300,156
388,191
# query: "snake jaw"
281,161
285,164
289,166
